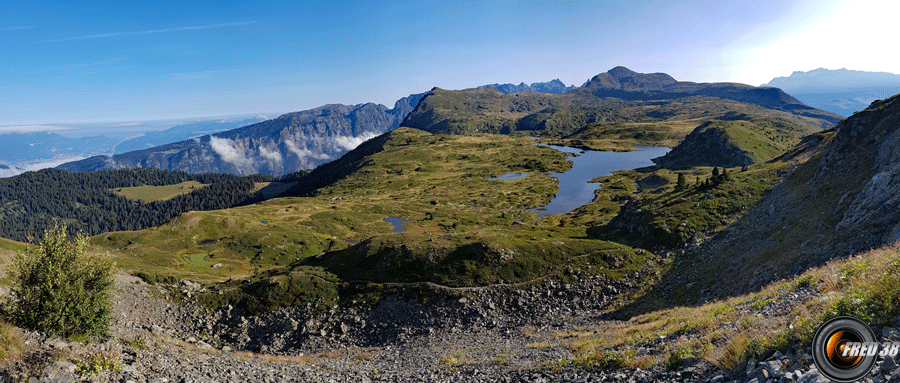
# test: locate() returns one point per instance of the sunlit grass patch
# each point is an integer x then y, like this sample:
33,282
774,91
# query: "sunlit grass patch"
158,193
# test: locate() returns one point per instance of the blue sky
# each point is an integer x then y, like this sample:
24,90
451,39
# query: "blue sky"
127,61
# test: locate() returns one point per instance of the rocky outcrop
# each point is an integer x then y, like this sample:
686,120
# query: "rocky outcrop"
707,145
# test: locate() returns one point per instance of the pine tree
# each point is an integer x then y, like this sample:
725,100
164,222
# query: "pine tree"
682,182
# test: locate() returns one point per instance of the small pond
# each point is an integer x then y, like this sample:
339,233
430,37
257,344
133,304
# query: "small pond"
575,190
397,222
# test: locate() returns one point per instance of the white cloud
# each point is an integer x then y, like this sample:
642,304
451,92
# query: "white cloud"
230,151
350,142
31,128
303,153
273,156
154,31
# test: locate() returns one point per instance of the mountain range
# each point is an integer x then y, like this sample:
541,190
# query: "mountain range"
286,144
21,149
25,151
183,132
840,91
289,143
552,86
620,96
304,140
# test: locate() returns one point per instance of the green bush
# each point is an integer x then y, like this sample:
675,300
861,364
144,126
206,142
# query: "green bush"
60,290
677,356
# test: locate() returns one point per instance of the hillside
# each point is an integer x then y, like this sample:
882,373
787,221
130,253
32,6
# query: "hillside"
836,201
733,142
841,91
617,97
287,144
452,237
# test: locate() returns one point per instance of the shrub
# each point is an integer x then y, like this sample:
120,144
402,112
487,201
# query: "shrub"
95,364
60,290
677,356
605,360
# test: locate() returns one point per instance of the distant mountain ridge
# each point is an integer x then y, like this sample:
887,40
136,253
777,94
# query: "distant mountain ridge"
290,143
304,140
9,171
184,132
24,147
621,82
553,86
620,95
841,91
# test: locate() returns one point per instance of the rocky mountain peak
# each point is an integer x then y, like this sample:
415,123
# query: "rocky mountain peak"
622,78
621,72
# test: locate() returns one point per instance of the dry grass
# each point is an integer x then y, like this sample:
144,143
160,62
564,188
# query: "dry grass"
730,331
12,347
158,193
456,358
538,345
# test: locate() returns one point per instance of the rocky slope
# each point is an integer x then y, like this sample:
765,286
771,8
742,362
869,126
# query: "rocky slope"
287,144
488,334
